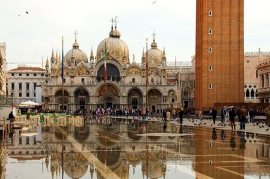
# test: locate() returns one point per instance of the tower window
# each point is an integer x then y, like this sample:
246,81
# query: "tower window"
210,50
210,68
209,31
133,80
209,86
209,13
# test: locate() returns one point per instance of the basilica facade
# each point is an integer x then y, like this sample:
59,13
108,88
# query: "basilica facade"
125,84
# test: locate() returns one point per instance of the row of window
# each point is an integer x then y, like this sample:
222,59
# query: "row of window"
27,74
27,85
21,95
210,51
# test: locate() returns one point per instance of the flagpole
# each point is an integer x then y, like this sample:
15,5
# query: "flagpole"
146,75
62,73
105,68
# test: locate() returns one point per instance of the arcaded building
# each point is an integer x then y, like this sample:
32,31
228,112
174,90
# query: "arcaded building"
262,72
125,87
219,72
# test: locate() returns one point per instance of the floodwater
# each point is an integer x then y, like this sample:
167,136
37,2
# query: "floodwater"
134,151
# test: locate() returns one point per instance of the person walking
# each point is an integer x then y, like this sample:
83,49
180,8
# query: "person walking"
242,117
214,115
251,115
181,112
232,115
164,115
222,116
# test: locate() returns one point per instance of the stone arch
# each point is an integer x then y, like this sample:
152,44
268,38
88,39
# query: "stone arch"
58,96
113,72
154,99
81,97
108,96
135,98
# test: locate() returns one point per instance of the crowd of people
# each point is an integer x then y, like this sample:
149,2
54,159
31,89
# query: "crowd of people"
241,115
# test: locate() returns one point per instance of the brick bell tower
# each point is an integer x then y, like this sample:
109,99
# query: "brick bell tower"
219,59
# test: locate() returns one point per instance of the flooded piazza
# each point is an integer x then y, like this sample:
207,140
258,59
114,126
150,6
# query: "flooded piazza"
126,149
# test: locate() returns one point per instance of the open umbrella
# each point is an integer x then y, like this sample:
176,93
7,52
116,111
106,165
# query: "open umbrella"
29,103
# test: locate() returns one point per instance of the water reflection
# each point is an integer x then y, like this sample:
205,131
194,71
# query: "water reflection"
126,149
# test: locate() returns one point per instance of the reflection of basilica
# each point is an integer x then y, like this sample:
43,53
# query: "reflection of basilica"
84,78
104,151
101,151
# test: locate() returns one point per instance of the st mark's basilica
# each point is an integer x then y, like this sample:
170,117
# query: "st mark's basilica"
125,87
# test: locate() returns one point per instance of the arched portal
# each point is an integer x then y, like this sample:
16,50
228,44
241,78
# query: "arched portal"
62,100
108,97
135,98
154,99
81,98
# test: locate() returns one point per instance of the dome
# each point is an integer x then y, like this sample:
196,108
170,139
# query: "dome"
117,47
156,55
77,53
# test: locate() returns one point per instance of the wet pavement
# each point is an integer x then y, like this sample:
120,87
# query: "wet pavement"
128,150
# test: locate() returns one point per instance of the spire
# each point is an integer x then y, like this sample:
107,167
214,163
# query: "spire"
47,63
115,22
143,54
154,44
56,57
75,45
52,57
164,52
92,55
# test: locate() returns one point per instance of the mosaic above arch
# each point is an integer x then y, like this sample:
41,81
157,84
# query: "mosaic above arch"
134,71
66,72
153,71
82,72
108,89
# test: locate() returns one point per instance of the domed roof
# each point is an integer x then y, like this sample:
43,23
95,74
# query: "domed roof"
117,47
154,54
78,55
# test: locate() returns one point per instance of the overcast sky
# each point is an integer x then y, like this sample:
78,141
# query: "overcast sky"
29,37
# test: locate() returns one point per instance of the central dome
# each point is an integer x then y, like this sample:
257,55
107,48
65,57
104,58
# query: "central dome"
117,47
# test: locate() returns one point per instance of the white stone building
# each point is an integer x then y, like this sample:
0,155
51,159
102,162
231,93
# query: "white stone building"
22,82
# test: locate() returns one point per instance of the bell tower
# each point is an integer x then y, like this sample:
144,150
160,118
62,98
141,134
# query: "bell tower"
219,59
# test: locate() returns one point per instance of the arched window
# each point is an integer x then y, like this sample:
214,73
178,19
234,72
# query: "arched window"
252,93
247,93
82,80
82,101
133,80
134,102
